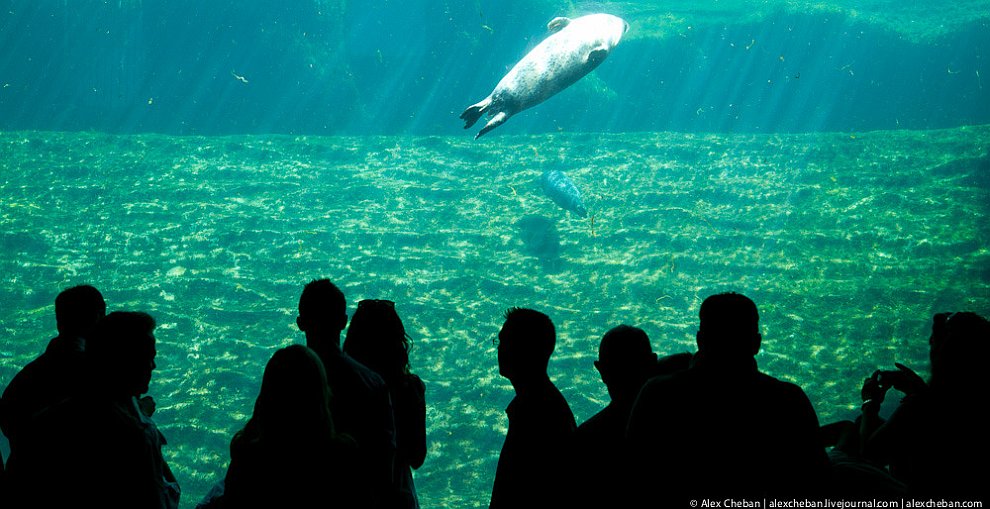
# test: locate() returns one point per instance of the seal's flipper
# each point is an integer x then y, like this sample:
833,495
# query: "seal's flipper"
496,121
474,112
556,24
597,56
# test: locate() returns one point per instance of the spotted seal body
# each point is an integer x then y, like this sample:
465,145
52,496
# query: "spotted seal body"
563,192
574,48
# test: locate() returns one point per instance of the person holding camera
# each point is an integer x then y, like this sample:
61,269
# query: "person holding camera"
935,442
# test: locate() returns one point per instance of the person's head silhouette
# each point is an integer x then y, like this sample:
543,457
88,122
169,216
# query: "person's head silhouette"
322,312
625,361
121,353
77,309
959,348
729,327
525,343
294,400
377,338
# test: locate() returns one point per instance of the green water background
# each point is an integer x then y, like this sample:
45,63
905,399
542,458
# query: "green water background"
848,242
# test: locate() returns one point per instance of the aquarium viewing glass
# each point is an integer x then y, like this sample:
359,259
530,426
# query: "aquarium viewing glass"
203,161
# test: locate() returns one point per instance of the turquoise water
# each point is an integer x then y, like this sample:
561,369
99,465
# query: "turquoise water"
335,67
848,242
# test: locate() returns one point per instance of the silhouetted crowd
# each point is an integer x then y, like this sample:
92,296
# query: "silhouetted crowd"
344,426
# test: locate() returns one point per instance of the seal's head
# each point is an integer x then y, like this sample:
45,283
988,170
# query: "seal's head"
610,28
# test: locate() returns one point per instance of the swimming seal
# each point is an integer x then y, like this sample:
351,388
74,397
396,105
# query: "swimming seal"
563,192
574,48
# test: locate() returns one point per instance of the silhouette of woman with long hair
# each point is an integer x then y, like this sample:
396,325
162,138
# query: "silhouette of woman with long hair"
377,339
288,454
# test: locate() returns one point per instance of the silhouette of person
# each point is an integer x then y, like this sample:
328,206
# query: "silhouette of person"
377,339
625,362
531,466
722,428
55,374
288,454
936,440
96,448
361,406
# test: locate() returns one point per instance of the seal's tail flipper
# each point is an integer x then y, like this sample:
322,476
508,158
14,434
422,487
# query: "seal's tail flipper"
496,121
474,112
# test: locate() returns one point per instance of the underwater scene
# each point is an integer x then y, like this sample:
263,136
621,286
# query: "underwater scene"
203,163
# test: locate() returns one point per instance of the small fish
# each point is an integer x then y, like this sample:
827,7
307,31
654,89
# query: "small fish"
238,77
563,192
